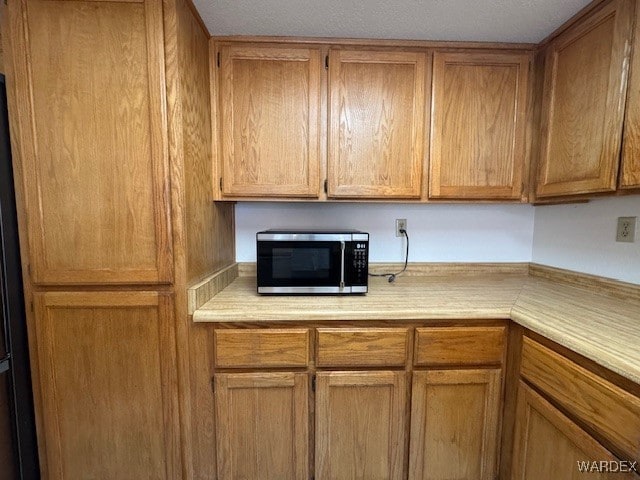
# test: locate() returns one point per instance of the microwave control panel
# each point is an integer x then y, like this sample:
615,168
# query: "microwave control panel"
360,262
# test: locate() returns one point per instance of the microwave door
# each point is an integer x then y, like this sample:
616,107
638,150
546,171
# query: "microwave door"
300,267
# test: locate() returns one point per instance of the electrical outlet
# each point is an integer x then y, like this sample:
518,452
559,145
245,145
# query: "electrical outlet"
401,224
626,231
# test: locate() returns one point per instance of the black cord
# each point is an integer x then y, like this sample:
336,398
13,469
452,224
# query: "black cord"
392,276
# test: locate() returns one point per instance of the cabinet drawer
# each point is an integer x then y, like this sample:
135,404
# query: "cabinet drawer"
362,347
459,346
611,412
261,348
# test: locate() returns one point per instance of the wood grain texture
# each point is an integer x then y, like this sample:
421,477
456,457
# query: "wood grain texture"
375,42
13,26
613,413
202,234
2,67
262,425
261,348
376,123
630,163
454,424
360,425
549,445
206,251
459,346
270,120
361,347
91,132
478,130
108,380
510,389
584,101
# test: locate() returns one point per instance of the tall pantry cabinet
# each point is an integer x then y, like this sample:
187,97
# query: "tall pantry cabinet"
105,111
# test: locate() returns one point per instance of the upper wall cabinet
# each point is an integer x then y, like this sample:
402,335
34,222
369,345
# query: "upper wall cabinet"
584,100
270,99
376,123
90,133
630,174
478,129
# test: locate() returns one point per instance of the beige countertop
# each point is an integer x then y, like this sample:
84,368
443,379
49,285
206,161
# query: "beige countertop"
589,321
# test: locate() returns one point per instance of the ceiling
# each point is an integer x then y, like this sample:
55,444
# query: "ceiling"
480,20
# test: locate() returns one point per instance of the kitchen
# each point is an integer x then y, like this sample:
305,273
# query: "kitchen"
142,179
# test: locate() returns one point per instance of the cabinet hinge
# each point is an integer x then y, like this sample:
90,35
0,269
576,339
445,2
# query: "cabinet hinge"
313,383
326,186
326,62
218,60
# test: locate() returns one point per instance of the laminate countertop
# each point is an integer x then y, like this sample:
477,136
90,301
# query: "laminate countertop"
589,321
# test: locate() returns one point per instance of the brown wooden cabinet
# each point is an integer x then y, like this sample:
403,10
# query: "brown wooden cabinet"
100,95
376,123
612,413
454,424
630,173
584,101
270,105
104,371
478,128
262,425
360,425
549,445
456,402
361,414
88,86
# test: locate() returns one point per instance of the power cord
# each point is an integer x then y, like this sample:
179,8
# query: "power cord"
391,277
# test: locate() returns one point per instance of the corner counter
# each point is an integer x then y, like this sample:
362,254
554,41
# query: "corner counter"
597,318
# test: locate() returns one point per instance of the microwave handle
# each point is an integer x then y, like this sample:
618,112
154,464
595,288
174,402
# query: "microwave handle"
342,265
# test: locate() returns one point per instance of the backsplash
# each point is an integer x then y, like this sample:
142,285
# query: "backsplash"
437,233
577,237
582,237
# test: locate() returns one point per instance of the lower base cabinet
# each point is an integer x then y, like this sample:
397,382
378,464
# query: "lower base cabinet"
548,445
262,425
358,403
360,425
454,424
106,369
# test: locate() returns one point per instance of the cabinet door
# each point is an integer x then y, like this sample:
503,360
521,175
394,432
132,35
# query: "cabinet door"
584,99
630,175
549,445
91,135
478,132
270,122
106,370
360,425
454,424
376,124
262,425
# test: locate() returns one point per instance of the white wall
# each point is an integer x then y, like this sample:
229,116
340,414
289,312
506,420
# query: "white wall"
578,237
438,233
582,237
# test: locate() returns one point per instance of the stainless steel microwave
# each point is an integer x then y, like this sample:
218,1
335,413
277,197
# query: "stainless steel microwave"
312,261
